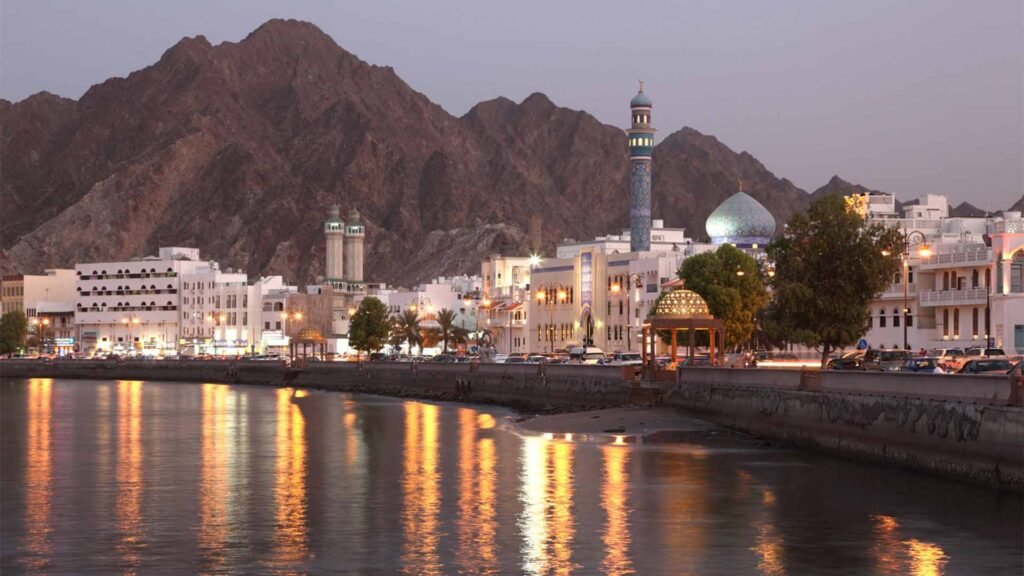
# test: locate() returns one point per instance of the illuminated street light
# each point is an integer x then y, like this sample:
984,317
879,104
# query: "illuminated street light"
534,260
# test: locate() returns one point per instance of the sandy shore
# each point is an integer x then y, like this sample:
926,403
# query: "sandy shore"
637,425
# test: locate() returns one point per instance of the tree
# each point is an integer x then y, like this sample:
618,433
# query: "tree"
829,265
730,282
446,326
407,329
370,326
13,329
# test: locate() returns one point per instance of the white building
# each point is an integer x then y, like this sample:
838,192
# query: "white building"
960,289
24,292
132,307
221,312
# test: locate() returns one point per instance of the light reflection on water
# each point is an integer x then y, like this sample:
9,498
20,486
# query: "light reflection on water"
310,483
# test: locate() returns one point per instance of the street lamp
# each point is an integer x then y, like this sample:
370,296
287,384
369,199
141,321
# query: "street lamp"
913,239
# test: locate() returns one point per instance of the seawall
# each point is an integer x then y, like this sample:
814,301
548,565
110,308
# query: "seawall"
958,426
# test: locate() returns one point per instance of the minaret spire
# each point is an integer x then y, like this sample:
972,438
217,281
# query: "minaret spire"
641,147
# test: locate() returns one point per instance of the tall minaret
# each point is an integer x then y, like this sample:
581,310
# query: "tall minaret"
354,234
334,230
641,145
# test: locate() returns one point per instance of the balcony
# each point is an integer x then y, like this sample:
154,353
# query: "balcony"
972,296
1010,227
896,291
965,259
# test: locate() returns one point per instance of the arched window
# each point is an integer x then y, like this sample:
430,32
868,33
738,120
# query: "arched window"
945,322
974,322
956,322
895,318
881,318
945,280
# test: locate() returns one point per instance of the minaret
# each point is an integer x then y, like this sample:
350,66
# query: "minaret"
354,234
641,145
334,230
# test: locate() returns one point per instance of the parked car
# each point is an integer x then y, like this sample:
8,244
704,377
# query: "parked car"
443,359
923,364
586,355
537,359
515,360
500,358
697,360
885,360
994,366
848,361
626,359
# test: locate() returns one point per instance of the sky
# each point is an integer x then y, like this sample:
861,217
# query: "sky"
909,97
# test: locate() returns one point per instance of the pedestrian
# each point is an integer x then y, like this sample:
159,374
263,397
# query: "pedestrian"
922,352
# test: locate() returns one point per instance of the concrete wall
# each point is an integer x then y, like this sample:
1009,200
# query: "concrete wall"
954,425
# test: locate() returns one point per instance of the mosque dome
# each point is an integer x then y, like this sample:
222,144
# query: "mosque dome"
682,303
740,220
640,100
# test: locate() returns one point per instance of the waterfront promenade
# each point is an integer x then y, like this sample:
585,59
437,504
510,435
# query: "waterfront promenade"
959,426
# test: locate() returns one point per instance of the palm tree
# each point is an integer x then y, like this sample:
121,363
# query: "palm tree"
446,327
407,329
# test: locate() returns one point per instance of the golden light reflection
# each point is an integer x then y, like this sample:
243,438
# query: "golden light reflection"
769,549
476,552
352,438
563,527
38,474
894,555
214,487
421,485
926,559
485,421
291,540
687,501
533,521
614,500
129,468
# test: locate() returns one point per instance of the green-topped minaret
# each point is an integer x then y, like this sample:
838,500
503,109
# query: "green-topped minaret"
641,146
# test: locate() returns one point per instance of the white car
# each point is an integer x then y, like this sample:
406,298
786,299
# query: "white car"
500,358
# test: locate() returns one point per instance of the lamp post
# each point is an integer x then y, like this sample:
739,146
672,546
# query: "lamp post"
559,298
912,239
130,321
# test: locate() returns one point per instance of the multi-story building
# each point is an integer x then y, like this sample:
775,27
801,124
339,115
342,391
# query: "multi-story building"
219,312
956,288
54,326
502,309
23,292
132,307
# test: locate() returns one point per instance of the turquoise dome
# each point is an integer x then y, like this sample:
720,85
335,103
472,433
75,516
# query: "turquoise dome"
640,101
740,220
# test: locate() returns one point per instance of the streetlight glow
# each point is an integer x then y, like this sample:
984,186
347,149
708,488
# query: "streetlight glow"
534,260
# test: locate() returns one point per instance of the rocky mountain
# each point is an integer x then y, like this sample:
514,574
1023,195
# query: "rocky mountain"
837,185
240,148
967,210
1017,206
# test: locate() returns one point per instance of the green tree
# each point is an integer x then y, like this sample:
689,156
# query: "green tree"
730,282
829,265
13,329
370,326
446,326
406,328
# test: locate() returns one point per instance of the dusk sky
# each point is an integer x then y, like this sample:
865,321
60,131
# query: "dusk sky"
908,97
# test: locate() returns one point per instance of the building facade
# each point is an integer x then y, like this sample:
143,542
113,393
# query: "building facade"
132,307
24,292
957,285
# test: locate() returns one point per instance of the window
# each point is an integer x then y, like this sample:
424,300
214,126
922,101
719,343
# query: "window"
945,280
910,274
974,317
945,322
956,322
277,325
881,318
910,320
974,279
266,325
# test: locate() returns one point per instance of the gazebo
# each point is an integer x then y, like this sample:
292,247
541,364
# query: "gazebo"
308,337
680,310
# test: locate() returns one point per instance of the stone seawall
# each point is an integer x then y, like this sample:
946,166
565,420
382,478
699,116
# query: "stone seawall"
956,426
529,387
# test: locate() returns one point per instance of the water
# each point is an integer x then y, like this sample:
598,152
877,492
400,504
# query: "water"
152,478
